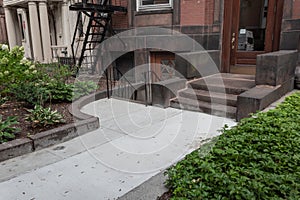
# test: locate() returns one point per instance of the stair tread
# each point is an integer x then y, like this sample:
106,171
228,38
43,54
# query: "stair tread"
227,83
211,94
222,85
203,104
236,76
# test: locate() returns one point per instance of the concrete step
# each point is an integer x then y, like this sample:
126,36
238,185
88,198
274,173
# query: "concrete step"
236,76
222,84
211,97
202,106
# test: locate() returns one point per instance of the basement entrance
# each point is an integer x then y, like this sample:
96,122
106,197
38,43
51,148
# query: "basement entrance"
251,27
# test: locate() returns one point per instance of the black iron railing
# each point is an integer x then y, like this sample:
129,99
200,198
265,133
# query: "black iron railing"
117,85
149,78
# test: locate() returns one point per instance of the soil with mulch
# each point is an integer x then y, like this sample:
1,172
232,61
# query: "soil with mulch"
165,196
19,109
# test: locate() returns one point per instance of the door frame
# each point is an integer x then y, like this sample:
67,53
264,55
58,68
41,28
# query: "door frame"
230,10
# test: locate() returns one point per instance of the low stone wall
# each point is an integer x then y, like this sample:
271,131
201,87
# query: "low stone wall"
198,64
163,91
260,97
275,68
297,78
275,74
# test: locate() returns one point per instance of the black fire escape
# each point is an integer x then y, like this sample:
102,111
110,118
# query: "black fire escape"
93,22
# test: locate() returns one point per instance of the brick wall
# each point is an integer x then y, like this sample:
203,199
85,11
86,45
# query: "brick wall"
120,20
296,9
197,12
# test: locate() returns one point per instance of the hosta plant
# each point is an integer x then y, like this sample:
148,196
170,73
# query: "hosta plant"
40,116
7,129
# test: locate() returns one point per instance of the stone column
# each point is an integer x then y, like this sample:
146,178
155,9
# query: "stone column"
10,26
35,32
45,30
66,25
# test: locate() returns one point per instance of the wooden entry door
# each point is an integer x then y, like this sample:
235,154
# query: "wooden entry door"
162,66
251,27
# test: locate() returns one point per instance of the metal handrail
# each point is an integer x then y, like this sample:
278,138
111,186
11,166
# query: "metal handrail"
127,87
125,78
148,86
156,76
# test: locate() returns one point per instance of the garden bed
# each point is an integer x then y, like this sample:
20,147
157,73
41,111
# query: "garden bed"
35,97
17,109
257,159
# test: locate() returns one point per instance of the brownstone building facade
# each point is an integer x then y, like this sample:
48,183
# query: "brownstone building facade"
238,30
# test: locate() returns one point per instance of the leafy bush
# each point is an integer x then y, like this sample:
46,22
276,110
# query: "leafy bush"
57,72
37,83
59,91
41,92
82,88
257,159
40,116
3,100
7,129
15,70
32,93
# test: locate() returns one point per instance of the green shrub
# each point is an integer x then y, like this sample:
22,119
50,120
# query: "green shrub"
7,129
31,93
36,83
82,88
257,159
3,100
57,72
15,70
40,116
59,91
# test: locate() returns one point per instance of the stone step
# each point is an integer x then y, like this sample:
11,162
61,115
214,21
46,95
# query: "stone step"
235,76
202,106
211,97
223,85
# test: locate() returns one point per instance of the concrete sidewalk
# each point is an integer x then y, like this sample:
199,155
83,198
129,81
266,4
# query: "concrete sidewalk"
133,144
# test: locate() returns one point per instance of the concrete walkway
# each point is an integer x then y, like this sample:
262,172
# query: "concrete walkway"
133,144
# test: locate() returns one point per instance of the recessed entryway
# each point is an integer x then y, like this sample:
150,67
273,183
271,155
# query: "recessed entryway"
250,28
243,69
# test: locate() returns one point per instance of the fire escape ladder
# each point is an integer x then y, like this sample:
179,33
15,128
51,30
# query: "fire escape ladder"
93,21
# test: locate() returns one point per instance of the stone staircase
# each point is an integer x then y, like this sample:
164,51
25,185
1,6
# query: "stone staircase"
216,94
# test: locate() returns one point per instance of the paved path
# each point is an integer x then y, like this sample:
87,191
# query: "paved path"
133,144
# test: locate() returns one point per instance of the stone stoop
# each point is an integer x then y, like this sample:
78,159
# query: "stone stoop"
216,94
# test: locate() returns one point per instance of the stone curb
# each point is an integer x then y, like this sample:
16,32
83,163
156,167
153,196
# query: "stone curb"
63,133
75,107
149,190
54,136
15,148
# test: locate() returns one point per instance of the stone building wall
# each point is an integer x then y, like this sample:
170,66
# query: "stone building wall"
3,34
290,30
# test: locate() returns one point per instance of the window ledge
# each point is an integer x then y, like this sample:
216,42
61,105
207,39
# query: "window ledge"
151,12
